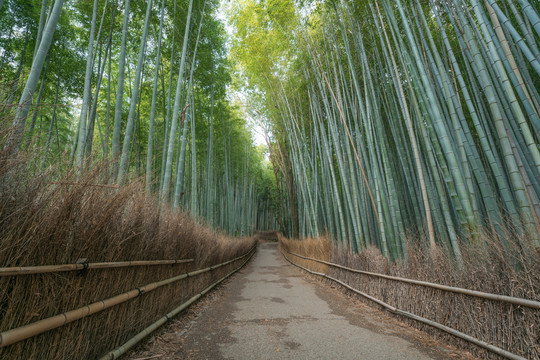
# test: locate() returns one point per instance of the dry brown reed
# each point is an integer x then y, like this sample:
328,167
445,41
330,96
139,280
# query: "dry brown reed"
266,236
512,269
319,248
43,222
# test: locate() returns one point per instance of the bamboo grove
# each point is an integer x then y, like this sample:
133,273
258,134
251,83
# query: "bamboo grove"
142,85
399,119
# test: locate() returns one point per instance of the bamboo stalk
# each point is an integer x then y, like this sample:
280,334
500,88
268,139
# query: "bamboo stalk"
24,332
27,270
508,299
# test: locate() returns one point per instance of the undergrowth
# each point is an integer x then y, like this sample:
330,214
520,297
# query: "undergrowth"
512,269
59,217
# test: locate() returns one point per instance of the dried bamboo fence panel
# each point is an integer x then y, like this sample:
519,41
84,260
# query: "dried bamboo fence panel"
115,354
118,317
489,318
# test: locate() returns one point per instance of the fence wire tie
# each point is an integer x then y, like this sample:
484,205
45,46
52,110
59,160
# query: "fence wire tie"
84,270
140,291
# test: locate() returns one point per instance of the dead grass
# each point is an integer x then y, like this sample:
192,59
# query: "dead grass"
266,236
43,222
512,269
320,248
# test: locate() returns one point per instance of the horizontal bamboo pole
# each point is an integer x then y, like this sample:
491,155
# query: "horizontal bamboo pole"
82,184
42,269
115,354
483,344
508,299
24,332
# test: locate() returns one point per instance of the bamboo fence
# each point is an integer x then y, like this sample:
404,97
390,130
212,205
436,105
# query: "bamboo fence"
115,354
15,335
393,309
509,299
43,269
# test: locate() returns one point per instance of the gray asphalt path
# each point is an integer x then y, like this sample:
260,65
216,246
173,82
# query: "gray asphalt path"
271,310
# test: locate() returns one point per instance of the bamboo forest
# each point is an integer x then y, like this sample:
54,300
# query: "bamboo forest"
399,137
395,118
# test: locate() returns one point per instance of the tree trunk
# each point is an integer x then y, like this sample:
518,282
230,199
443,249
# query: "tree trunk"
148,179
41,24
81,141
181,159
168,112
134,100
19,70
93,112
174,120
51,125
15,137
38,102
412,137
117,128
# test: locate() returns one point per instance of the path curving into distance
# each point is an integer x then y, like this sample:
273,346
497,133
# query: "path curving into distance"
271,310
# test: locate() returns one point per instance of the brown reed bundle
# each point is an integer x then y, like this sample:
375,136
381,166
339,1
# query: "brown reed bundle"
511,269
319,248
47,218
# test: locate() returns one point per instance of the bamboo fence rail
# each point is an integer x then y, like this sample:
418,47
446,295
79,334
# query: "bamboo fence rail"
395,310
43,269
115,354
508,299
24,332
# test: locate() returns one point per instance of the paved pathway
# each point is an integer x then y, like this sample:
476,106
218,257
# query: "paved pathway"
272,311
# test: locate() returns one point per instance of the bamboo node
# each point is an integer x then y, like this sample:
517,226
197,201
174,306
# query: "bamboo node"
84,263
